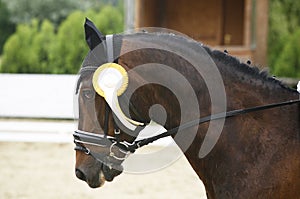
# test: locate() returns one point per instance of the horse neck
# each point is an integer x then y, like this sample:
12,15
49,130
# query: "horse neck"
255,137
246,87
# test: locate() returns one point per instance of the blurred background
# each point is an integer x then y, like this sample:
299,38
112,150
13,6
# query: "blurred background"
42,47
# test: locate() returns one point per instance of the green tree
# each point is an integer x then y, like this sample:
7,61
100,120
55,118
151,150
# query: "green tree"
6,26
288,62
291,10
38,48
42,45
112,24
284,21
18,55
27,51
69,49
279,31
23,11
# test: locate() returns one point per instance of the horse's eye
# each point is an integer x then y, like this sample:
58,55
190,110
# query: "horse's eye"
88,94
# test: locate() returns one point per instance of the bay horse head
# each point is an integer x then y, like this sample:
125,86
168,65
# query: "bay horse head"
106,134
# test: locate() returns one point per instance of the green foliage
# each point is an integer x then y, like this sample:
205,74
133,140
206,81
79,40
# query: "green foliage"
70,48
38,48
24,11
108,25
18,49
6,26
42,46
291,10
284,22
288,62
278,31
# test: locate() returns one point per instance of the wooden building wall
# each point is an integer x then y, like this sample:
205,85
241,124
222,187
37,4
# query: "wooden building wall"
239,26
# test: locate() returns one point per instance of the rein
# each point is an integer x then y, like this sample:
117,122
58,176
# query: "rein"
141,143
131,147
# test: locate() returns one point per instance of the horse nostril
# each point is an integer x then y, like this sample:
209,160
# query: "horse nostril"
79,174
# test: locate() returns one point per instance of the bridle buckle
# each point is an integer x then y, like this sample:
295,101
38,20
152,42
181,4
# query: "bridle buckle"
117,132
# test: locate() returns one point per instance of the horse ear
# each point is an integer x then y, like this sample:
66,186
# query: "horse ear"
93,36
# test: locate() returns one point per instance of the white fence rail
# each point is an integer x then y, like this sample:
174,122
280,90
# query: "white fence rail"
37,96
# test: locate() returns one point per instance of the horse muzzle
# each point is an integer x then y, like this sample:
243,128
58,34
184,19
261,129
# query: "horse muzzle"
110,173
96,177
94,181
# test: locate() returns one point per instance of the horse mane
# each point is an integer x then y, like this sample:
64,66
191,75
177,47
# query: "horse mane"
232,63
245,68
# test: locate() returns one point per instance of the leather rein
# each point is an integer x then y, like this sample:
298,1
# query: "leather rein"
105,140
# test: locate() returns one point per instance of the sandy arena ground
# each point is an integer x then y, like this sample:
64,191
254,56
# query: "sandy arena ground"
46,171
